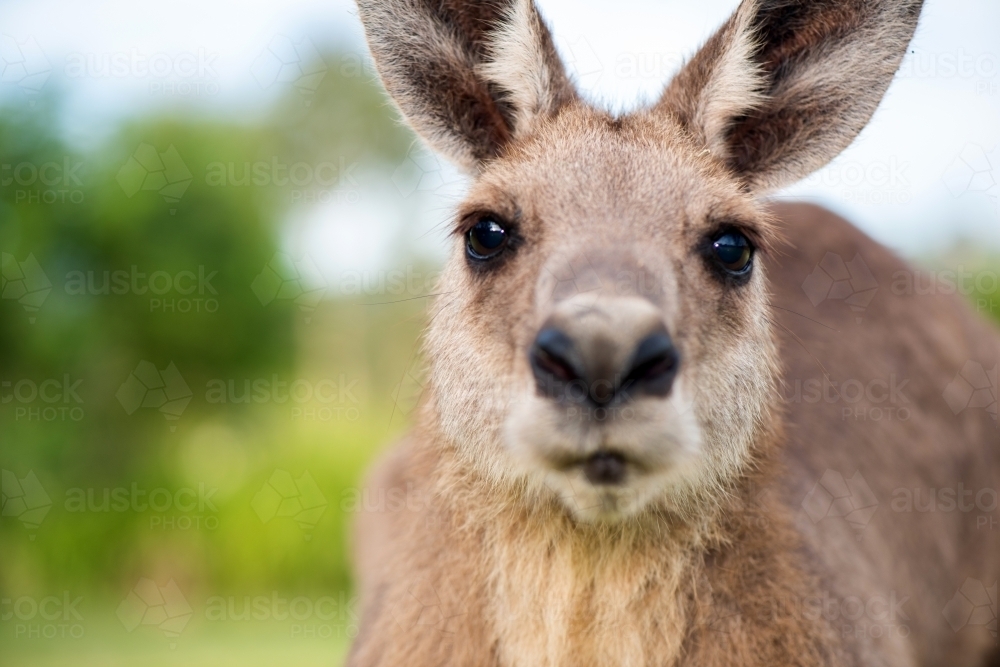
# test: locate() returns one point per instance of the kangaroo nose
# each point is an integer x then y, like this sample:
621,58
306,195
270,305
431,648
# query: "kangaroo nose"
602,370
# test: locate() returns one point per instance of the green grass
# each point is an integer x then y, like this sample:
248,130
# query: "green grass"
201,644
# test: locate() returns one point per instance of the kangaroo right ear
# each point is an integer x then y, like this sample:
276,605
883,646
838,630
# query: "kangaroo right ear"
785,85
468,75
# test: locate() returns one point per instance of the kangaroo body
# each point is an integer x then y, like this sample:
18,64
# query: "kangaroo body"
668,423
464,578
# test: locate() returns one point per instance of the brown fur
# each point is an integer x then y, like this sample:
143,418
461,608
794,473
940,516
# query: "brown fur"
706,556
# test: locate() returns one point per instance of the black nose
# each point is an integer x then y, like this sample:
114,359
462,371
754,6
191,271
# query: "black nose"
564,372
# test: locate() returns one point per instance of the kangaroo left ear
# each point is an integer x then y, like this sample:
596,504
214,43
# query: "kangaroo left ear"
469,76
786,85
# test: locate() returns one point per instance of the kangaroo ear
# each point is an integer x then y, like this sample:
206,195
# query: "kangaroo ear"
785,85
468,75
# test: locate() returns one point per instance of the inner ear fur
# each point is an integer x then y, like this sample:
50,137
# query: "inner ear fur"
469,76
785,85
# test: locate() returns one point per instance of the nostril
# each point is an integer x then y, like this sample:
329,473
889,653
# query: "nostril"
653,366
604,468
553,358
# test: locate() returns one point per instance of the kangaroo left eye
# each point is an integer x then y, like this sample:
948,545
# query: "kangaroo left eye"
733,252
486,239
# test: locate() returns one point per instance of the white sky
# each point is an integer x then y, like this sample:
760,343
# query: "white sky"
921,176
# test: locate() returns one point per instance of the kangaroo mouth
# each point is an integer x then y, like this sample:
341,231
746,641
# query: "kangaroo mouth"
602,468
605,469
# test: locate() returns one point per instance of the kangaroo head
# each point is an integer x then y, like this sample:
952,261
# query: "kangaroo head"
603,338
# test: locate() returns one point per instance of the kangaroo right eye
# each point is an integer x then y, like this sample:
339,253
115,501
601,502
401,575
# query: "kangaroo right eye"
486,239
733,252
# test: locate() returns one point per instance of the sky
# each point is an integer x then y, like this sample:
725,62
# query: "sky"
925,173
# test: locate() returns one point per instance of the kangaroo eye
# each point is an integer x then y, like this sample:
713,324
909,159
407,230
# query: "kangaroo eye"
486,239
733,252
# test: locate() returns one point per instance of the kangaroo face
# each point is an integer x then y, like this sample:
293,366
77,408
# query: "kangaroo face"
603,333
602,338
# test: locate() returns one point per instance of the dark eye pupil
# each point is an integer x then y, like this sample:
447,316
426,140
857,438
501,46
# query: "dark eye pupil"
733,251
487,238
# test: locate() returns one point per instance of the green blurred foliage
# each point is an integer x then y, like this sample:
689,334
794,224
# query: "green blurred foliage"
226,230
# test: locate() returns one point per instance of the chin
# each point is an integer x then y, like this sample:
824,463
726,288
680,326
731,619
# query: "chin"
608,465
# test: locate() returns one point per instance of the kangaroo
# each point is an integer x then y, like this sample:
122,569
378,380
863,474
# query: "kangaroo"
667,420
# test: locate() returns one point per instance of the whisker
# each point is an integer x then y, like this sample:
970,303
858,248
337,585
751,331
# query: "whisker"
803,345
805,317
412,298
